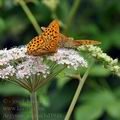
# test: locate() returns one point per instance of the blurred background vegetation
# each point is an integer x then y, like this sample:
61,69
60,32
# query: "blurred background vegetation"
92,19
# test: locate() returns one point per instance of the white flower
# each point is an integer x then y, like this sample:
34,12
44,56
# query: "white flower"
15,63
16,53
3,57
7,72
32,66
28,66
11,55
69,57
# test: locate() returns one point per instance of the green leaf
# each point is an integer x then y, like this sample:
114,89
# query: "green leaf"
62,79
43,96
44,100
102,71
64,76
113,109
88,112
102,100
101,97
11,89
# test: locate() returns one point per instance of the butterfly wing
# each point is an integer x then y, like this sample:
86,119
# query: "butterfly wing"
54,26
46,42
48,48
39,46
34,44
52,31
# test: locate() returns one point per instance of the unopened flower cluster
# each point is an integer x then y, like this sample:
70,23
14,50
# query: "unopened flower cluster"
15,63
96,52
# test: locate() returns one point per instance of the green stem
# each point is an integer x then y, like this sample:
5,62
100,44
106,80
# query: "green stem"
30,16
19,83
34,106
45,81
71,15
77,93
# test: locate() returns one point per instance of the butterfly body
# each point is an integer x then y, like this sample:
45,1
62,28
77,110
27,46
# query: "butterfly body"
51,39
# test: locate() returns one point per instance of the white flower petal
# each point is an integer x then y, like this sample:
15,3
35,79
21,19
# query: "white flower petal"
32,66
68,57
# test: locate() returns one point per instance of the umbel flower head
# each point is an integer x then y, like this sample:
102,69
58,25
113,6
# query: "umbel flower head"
16,63
30,71
68,57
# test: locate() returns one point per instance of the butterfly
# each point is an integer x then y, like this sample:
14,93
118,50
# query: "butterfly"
51,39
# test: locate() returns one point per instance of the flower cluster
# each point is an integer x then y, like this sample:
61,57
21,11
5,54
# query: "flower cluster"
14,62
32,66
96,52
7,71
13,54
68,57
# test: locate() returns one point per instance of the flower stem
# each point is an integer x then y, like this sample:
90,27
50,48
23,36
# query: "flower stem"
71,15
30,16
77,93
52,75
34,105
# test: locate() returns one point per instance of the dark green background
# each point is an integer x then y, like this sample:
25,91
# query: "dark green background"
94,19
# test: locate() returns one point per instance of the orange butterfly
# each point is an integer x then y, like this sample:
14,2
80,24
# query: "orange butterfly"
51,39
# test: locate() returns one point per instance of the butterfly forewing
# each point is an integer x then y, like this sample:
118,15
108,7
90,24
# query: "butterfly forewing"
54,25
35,44
46,42
52,31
